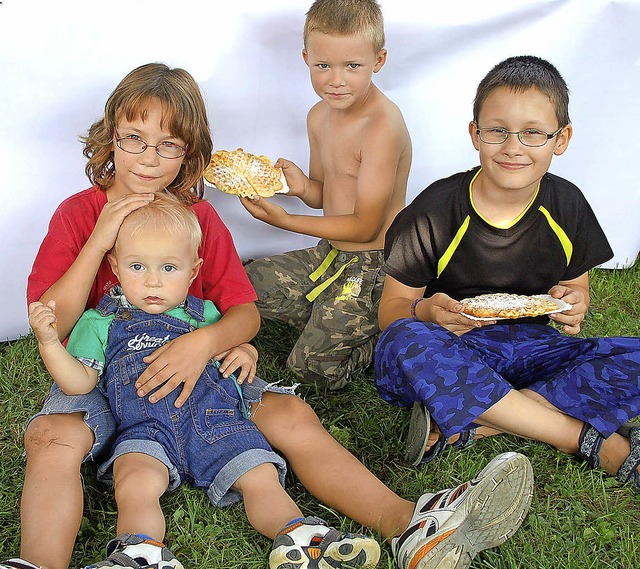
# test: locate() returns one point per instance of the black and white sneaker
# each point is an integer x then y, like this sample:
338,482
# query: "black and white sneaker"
129,551
310,544
449,528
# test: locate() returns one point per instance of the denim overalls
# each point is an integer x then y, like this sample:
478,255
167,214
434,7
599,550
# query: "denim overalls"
208,442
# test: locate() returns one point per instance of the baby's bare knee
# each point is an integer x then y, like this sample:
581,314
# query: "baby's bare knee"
139,478
258,478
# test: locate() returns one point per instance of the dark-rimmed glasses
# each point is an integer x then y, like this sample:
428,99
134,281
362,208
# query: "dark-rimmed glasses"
169,150
528,137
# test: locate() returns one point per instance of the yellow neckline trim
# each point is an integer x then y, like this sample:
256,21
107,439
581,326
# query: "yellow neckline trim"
506,225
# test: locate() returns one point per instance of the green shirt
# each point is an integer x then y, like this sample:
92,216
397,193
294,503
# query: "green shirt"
89,337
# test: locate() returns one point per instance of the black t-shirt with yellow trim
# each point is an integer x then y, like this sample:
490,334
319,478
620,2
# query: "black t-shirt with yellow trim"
440,242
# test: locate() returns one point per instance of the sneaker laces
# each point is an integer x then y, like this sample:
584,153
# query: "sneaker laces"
444,501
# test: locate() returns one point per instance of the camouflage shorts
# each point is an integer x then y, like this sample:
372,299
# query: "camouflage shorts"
332,297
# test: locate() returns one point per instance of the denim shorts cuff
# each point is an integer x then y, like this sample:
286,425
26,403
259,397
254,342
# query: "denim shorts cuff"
220,492
253,392
150,448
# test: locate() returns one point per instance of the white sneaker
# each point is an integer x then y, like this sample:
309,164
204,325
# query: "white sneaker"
17,563
137,552
310,543
449,528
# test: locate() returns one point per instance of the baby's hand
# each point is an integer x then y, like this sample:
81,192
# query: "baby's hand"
42,319
243,357
570,320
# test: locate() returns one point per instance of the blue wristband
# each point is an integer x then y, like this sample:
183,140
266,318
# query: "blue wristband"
414,304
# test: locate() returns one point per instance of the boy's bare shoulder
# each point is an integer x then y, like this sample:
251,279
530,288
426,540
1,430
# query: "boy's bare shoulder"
388,113
317,113
385,129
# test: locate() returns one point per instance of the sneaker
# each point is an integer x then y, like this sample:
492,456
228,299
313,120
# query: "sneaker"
449,528
129,551
17,563
310,544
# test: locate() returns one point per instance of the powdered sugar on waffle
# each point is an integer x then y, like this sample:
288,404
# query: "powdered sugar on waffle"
499,306
244,174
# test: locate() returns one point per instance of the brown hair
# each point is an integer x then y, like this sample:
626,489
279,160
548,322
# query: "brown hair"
521,73
184,112
346,18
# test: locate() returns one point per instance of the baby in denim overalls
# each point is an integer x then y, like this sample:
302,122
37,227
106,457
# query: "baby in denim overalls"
210,442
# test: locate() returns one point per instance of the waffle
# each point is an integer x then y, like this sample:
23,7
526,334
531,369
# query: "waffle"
243,174
503,305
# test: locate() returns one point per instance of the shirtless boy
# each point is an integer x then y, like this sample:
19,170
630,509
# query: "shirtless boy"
360,156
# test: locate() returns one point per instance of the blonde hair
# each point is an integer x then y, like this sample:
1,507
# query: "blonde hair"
183,112
346,18
165,214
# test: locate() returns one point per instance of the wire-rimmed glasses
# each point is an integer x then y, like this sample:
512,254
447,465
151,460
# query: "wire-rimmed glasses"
529,137
135,145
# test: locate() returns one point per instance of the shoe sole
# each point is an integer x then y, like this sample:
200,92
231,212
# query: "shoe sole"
418,435
364,553
492,512
360,553
625,428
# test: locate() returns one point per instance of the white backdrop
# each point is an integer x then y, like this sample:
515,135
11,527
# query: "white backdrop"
60,60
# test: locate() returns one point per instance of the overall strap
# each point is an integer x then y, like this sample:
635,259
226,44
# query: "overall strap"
194,307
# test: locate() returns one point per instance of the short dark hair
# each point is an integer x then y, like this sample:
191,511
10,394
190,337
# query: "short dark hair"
521,73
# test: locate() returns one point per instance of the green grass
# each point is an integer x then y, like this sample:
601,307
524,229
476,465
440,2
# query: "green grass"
579,518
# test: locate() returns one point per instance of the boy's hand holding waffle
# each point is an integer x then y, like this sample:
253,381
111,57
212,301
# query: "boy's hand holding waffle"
244,174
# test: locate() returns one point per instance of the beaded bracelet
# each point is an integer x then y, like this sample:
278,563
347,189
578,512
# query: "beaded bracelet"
414,304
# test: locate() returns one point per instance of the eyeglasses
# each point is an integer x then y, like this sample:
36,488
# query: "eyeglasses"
528,137
132,145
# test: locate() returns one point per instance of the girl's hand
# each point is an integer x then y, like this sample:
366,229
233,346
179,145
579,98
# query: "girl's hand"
570,320
444,310
42,319
180,361
111,217
244,358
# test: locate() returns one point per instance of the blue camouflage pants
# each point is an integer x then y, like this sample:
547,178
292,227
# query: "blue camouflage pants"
595,380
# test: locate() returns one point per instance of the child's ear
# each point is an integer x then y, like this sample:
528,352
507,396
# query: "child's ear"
305,56
473,132
562,140
380,60
114,264
196,269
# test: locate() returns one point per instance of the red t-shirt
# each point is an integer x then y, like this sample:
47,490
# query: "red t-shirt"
222,278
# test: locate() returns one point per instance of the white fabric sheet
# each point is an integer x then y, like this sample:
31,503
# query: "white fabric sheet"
60,61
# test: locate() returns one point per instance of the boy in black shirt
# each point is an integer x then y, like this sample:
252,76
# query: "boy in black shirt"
507,226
